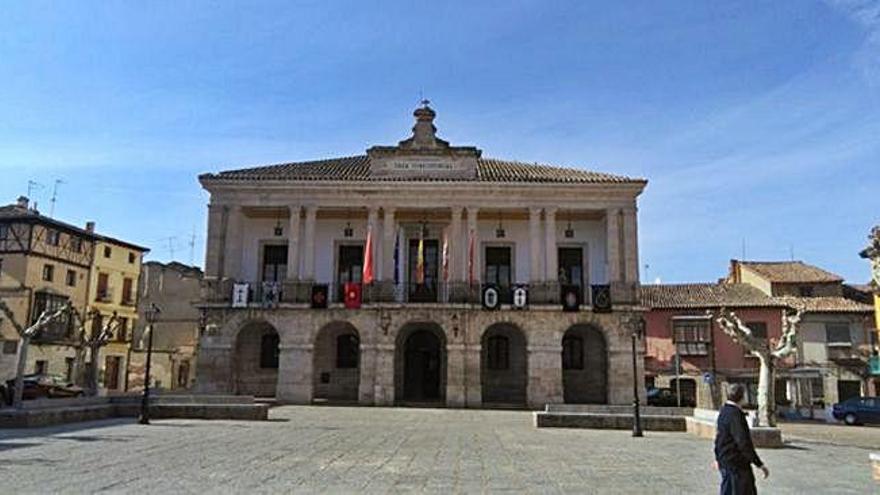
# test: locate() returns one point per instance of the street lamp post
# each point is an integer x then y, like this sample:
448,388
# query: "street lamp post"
151,314
638,328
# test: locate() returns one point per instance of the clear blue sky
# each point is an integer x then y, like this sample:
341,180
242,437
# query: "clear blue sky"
752,120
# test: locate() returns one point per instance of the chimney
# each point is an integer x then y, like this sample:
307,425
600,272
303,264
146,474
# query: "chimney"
90,227
22,202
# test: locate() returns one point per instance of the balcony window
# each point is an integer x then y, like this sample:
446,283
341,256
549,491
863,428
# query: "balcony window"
571,266
837,334
127,294
274,263
423,289
692,336
103,288
349,267
499,269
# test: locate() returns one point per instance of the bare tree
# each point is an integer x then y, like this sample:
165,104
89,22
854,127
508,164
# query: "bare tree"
872,254
46,318
766,352
92,337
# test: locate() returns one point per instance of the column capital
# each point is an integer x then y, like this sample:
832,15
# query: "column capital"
535,211
458,209
389,210
550,211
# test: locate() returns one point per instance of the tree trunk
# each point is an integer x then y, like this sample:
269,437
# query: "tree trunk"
766,391
19,373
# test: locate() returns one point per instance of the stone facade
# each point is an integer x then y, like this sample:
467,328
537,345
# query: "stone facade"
441,223
229,352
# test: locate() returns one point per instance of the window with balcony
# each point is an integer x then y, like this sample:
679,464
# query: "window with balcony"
423,281
349,267
274,263
692,336
838,334
45,301
127,293
103,288
571,266
499,269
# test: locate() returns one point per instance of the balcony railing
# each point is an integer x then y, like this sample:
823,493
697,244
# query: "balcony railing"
273,293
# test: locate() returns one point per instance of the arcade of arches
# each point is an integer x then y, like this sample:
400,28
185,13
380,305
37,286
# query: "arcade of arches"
472,362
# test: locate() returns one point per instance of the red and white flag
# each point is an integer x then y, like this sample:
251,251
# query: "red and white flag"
368,259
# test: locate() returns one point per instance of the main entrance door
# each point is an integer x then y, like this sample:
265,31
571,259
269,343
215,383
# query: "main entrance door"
422,367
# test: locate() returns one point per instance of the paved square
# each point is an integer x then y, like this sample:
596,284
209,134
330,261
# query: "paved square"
379,450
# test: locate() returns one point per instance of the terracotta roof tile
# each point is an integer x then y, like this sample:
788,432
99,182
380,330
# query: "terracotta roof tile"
825,304
705,295
791,272
357,168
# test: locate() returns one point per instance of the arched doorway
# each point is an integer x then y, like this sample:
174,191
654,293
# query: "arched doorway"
420,364
504,372
256,360
337,363
584,366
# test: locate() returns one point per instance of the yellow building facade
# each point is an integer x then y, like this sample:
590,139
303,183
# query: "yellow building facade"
113,290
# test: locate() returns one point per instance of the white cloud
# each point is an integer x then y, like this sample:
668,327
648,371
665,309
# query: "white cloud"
866,13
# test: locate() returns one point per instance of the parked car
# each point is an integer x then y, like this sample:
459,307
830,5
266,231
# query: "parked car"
39,386
665,397
858,410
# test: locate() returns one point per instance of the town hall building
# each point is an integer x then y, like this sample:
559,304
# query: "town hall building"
422,273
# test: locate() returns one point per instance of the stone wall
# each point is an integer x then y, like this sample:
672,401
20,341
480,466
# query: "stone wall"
224,356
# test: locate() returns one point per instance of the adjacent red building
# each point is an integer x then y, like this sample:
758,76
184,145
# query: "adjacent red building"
680,323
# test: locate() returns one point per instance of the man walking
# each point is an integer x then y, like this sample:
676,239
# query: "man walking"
734,451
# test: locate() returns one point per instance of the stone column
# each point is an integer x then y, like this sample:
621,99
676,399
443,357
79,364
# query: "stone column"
473,380
295,373
473,238
545,375
383,388
293,237
215,245
389,232
309,255
550,254
367,374
234,241
612,238
630,245
455,375
535,274
456,253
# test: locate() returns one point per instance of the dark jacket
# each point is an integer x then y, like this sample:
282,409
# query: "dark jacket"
733,442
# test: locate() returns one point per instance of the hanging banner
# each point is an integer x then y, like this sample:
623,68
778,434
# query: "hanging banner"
368,258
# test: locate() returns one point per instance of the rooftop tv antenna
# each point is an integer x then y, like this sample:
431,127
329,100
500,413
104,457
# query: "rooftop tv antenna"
170,241
33,186
54,196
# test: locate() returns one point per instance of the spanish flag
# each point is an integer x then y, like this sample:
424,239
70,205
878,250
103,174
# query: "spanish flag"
367,277
420,262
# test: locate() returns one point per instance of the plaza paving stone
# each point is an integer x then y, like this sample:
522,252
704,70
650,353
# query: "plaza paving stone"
382,450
